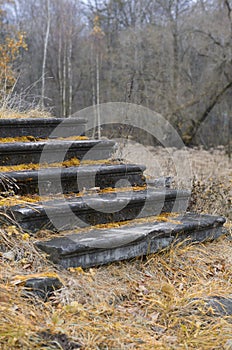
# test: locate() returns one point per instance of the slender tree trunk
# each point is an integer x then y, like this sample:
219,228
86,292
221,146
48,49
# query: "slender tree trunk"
98,97
92,62
176,69
70,76
64,83
60,74
45,52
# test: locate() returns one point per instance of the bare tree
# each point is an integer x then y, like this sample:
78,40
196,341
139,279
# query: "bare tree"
45,52
97,37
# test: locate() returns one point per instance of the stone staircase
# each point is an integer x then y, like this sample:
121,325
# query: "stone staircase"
94,209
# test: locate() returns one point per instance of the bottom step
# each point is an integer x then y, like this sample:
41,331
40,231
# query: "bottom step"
102,246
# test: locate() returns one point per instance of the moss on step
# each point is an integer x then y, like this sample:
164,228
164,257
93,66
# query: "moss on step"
34,198
164,217
67,163
34,139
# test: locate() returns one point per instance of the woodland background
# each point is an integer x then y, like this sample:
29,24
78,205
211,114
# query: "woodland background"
172,56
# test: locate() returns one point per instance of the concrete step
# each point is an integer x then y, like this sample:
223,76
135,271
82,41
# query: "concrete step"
42,127
96,208
102,246
75,179
54,151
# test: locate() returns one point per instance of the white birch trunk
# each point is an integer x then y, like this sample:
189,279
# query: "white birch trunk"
64,83
93,92
60,74
45,53
98,97
70,75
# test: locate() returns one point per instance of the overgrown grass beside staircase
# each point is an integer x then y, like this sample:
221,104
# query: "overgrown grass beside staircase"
145,303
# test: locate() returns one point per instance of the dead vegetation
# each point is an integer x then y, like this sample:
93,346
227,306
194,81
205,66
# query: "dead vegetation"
146,303
14,113
211,174
34,139
65,164
8,201
138,304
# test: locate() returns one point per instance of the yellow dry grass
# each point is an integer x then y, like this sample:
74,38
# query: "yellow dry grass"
144,303
163,217
67,163
211,173
34,139
32,113
137,304
35,198
16,200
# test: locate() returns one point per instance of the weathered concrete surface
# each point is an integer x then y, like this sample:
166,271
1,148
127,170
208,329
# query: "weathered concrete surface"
43,287
160,182
42,127
54,151
75,179
215,305
57,340
98,209
98,247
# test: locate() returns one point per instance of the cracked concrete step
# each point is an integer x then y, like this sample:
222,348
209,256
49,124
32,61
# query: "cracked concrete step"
75,179
102,246
98,208
54,151
42,127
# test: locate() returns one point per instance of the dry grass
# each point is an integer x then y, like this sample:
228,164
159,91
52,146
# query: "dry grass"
6,113
159,161
211,174
66,164
139,304
9,201
34,139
